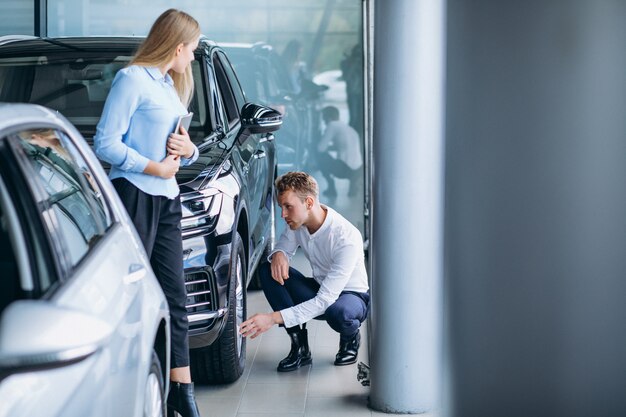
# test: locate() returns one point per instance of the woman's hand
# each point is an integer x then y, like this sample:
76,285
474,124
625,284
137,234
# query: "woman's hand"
169,166
180,144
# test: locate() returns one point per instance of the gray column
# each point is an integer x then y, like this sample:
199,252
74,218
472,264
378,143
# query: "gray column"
41,18
536,208
407,202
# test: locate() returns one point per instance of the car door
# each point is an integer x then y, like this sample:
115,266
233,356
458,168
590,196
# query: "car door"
97,269
256,155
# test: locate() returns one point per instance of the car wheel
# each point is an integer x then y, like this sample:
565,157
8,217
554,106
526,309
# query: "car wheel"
225,359
154,404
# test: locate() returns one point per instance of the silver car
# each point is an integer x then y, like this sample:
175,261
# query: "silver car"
84,325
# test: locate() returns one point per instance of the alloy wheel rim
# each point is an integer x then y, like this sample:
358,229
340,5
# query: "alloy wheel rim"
153,405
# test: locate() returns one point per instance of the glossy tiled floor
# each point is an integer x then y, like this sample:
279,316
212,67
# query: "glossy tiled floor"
321,389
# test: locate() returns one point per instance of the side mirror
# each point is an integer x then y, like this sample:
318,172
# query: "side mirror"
38,335
260,119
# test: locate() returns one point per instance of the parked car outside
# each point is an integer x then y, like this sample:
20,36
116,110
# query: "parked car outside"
266,80
227,194
84,324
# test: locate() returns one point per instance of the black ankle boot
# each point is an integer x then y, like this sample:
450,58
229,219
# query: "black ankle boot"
182,400
299,355
348,350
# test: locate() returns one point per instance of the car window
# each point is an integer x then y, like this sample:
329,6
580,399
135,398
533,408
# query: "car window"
232,112
25,262
232,81
250,78
218,111
76,86
201,124
70,191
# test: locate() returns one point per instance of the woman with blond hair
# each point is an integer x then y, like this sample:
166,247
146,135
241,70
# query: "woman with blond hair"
136,136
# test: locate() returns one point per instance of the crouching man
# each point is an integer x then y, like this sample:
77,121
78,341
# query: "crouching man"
338,291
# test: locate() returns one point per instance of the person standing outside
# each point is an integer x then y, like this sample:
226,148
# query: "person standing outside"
338,292
136,136
345,141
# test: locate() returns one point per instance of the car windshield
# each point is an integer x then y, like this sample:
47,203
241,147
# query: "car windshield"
77,87
76,84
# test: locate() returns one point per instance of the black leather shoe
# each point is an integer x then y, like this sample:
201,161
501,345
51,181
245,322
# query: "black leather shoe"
182,400
348,350
299,355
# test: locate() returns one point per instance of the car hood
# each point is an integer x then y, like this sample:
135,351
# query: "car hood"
212,162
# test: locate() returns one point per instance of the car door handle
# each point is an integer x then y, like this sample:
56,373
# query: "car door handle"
136,272
259,154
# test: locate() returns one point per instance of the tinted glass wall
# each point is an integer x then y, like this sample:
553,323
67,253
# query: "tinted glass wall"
17,17
296,56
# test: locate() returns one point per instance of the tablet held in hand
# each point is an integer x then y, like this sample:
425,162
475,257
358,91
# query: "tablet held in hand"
184,121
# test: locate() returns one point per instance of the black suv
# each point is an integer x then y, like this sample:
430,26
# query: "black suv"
227,194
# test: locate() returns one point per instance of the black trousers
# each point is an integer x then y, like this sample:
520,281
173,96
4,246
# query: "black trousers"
157,219
344,316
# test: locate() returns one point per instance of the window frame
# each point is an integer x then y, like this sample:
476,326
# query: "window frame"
235,85
229,101
216,103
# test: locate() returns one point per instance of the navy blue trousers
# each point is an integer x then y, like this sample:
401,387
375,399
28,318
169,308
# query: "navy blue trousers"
344,316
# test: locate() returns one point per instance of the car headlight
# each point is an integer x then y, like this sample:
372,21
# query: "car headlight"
200,211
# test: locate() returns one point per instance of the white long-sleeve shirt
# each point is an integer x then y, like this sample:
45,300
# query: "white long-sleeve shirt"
335,252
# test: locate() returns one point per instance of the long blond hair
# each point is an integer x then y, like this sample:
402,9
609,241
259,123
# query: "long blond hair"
168,31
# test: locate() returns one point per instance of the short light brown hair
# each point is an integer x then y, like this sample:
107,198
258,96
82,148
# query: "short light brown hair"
300,183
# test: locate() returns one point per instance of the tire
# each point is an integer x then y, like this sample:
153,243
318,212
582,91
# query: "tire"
154,397
224,361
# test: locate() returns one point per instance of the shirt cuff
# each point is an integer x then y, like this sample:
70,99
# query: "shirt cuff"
288,318
192,159
269,257
134,163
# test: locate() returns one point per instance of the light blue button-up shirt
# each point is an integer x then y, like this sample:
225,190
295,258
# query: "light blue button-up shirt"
140,112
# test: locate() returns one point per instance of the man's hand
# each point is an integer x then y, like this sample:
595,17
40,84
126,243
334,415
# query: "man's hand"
280,267
260,323
180,144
